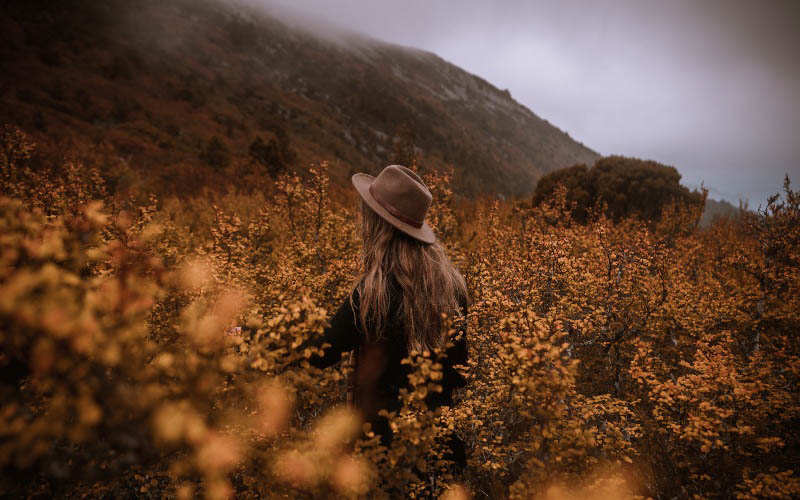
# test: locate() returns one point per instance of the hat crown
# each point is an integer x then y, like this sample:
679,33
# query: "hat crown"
403,191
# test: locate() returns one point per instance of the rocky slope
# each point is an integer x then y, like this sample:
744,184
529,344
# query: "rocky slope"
181,90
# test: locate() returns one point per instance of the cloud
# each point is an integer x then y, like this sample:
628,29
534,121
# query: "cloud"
712,87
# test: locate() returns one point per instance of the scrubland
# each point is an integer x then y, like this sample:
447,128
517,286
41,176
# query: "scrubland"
608,358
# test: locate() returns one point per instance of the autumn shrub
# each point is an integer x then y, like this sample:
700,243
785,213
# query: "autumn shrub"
627,187
608,358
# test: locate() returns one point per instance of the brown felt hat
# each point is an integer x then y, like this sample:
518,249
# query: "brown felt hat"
399,196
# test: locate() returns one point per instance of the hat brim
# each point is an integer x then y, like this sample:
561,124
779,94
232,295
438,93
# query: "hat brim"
361,182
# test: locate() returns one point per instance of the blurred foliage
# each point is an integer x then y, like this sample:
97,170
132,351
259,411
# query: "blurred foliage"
626,186
612,358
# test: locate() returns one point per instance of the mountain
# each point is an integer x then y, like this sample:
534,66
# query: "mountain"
192,92
718,209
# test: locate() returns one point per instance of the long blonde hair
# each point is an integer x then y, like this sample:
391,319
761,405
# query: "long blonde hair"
430,285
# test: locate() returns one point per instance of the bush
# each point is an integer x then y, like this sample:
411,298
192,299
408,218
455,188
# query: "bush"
612,359
628,186
276,155
215,154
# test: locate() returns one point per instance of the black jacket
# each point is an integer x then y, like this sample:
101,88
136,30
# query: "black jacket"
379,374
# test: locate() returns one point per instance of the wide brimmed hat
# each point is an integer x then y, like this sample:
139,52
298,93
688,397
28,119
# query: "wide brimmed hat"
400,197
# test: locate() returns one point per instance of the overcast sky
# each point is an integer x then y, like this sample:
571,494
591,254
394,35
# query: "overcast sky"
710,87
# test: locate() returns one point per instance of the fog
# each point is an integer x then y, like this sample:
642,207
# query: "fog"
710,87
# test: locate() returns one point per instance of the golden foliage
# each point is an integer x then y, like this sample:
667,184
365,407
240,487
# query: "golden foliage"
625,359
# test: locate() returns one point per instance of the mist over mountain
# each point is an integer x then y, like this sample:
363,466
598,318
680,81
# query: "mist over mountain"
194,92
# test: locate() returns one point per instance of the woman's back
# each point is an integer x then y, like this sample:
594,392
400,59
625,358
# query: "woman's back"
379,372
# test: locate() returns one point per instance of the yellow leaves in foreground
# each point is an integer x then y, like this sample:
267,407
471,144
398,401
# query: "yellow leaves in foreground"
177,421
653,345
325,457
296,468
204,321
456,492
274,408
352,476
217,453
604,486
194,275
336,429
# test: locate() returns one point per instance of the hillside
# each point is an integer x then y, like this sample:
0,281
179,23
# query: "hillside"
182,91
718,209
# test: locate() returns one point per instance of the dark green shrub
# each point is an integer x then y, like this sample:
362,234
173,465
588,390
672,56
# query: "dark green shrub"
629,186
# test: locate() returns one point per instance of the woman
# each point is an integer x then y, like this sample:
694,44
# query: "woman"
407,283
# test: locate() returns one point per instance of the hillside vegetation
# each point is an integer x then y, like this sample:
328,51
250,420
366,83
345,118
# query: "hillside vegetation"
609,359
195,93
625,186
